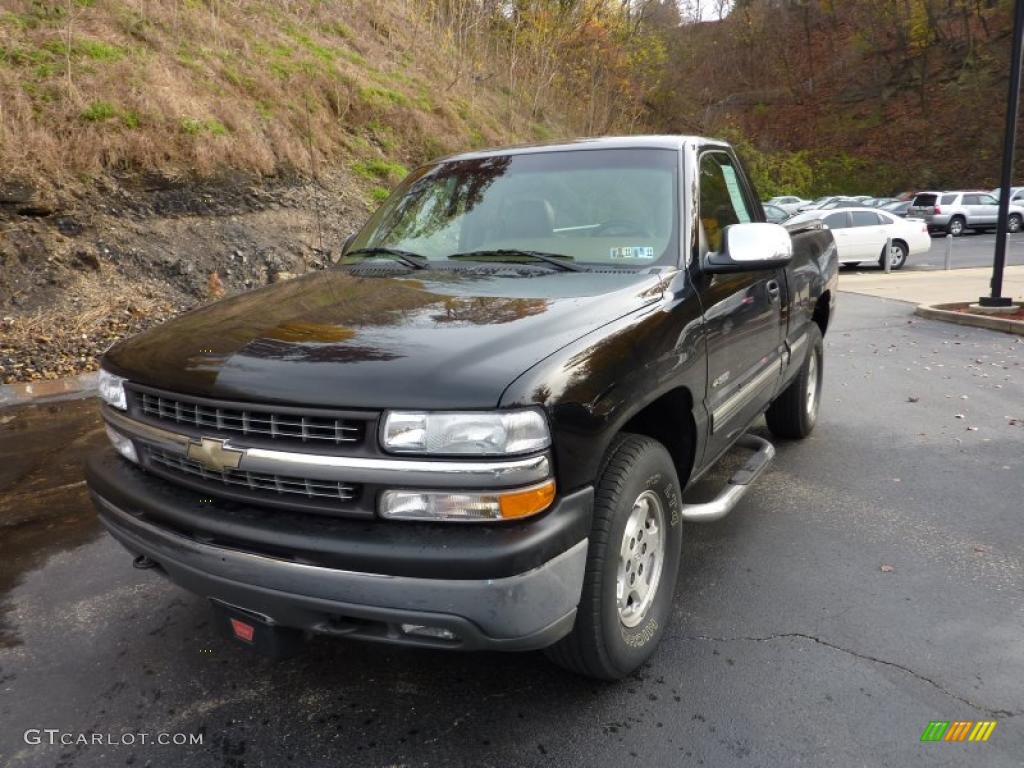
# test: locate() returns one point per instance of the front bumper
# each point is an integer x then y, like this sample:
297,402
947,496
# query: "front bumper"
507,596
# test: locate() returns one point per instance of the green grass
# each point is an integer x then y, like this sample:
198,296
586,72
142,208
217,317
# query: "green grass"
8,19
376,96
379,194
339,28
211,126
96,50
99,111
322,52
380,169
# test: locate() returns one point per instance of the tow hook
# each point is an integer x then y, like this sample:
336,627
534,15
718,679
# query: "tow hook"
143,563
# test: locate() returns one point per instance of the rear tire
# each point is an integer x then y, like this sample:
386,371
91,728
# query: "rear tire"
956,226
794,412
898,256
637,526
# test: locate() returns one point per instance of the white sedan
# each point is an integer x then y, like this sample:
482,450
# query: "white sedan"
861,234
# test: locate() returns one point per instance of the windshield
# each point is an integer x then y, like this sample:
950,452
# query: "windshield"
603,207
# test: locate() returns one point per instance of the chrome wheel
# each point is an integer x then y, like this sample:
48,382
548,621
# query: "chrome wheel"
896,256
812,385
956,227
641,558
1013,224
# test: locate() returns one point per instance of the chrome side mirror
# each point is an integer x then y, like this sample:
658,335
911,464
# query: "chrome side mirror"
746,247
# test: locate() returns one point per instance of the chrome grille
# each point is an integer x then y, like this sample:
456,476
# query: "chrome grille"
255,422
255,482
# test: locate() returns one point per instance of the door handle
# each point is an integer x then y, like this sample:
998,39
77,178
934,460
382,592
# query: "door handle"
773,289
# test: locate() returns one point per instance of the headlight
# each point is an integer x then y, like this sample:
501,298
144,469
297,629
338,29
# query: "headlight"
112,390
467,507
499,433
122,444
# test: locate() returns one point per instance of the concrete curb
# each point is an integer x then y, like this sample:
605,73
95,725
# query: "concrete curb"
22,393
945,313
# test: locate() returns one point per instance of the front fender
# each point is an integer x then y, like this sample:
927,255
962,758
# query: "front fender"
594,386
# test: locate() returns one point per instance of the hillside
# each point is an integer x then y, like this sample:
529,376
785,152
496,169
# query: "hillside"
866,97
156,155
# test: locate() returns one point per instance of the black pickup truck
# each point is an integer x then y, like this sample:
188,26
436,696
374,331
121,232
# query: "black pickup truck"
475,430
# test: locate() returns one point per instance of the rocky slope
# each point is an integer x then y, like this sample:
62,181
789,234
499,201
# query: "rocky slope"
78,274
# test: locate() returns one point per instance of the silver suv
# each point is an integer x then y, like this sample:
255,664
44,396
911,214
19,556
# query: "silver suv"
954,212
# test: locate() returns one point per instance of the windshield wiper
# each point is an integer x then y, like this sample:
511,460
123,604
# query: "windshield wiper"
408,258
560,260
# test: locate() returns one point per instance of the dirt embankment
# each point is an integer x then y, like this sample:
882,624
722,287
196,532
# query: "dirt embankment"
78,273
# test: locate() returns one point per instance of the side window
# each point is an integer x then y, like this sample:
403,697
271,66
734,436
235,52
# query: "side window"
948,199
864,218
987,200
836,221
722,200
971,199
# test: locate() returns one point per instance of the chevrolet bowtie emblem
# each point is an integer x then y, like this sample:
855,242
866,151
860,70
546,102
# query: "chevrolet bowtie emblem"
212,454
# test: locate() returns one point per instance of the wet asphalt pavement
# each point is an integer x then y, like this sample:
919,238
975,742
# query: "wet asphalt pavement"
872,582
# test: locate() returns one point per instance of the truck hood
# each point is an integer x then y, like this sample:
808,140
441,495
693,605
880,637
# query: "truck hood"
433,339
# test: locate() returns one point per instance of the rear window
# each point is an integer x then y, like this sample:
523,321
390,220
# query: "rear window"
925,200
865,218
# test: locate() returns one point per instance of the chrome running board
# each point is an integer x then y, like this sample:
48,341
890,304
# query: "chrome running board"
738,484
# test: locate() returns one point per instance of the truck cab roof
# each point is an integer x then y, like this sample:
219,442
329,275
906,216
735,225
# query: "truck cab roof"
604,142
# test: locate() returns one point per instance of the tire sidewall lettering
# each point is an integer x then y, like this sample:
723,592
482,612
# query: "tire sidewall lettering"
642,637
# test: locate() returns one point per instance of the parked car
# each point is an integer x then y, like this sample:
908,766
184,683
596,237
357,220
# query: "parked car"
474,432
897,208
1016,194
774,213
956,212
788,203
880,202
861,234
842,202
814,204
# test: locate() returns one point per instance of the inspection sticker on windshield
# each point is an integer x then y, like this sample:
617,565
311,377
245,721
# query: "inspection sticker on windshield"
633,252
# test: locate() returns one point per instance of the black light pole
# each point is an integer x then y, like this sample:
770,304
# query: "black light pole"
1009,142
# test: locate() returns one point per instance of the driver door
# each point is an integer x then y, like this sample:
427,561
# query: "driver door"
743,317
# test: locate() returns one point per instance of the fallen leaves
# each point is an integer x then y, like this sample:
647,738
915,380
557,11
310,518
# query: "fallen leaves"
215,286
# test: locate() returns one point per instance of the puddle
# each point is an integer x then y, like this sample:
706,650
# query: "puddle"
44,506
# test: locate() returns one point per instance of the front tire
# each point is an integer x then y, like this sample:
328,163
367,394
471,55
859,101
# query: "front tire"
794,412
1013,223
632,563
